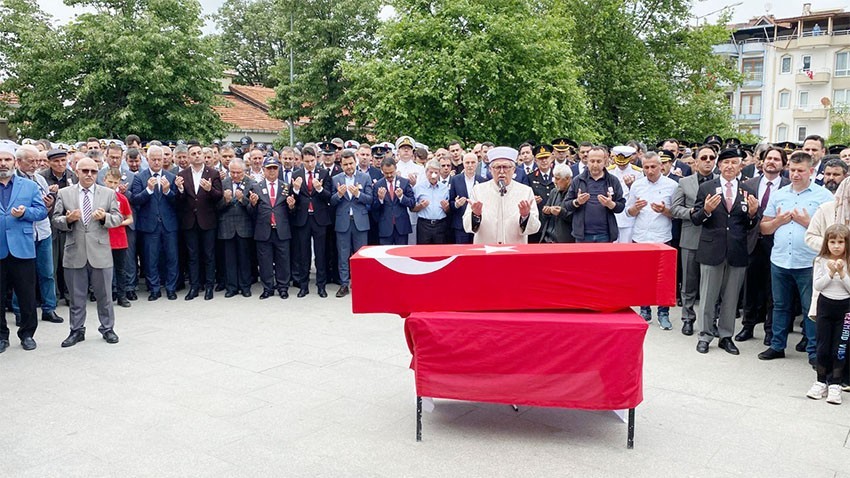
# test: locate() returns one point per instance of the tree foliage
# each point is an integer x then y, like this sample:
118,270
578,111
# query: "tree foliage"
252,38
325,34
132,66
498,70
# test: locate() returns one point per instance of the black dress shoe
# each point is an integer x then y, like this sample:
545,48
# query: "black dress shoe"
4,344
131,295
728,345
266,294
110,337
154,296
220,287
343,291
302,293
802,344
702,347
229,294
52,317
284,294
768,338
246,293
28,343
209,294
771,354
193,292
745,334
123,302
172,295
92,297
76,336
678,302
322,292
688,328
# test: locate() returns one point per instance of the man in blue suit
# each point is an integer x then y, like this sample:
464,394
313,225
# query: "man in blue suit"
352,196
393,198
21,205
153,195
460,190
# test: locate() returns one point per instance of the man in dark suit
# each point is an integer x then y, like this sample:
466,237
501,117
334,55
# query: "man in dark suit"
541,182
393,199
311,187
236,230
672,145
198,193
758,304
460,192
153,195
270,205
352,197
727,210
815,145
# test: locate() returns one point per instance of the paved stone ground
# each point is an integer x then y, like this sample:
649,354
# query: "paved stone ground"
243,387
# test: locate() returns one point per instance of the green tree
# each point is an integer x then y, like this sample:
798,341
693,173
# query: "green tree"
500,70
325,34
252,37
132,66
649,74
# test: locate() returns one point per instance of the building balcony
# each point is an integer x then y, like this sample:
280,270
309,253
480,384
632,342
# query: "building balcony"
725,49
820,76
811,112
753,81
748,117
751,47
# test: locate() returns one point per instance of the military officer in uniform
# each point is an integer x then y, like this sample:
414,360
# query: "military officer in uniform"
627,173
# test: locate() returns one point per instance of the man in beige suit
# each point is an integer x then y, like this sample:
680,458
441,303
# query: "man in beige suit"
85,211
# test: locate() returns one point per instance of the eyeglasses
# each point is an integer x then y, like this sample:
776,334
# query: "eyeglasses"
707,158
501,168
88,171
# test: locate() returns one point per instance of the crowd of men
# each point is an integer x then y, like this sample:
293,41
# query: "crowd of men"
221,217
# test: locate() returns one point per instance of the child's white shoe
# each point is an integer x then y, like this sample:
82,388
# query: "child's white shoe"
834,396
817,391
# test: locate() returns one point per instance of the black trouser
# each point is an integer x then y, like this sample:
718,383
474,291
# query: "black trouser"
119,273
312,230
220,275
758,299
429,231
273,257
200,243
332,263
237,263
833,332
18,275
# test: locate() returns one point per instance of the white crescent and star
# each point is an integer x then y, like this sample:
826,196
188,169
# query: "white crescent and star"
411,266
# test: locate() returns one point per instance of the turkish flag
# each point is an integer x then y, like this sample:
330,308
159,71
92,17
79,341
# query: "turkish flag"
475,277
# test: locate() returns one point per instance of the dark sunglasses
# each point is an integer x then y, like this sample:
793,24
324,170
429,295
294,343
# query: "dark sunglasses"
708,158
88,171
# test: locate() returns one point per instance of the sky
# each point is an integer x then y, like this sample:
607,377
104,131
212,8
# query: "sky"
703,10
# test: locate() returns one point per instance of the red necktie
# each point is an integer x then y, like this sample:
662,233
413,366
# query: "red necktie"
310,190
730,201
272,199
391,190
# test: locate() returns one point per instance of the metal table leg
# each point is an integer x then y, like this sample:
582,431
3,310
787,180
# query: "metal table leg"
630,443
418,418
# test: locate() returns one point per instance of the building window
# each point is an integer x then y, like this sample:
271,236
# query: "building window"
750,103
841,98
785,66
803,99
781,133
807,62
842,64
753,69
784,100
801,134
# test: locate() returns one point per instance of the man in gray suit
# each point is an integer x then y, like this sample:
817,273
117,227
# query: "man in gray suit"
352,193
86,211
683,203
236,230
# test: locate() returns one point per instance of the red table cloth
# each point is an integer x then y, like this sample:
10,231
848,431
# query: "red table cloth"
583,360
474,277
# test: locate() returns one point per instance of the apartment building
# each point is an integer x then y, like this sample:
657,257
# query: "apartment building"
796,73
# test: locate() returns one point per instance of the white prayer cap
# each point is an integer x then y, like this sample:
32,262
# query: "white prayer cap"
8,148
502,152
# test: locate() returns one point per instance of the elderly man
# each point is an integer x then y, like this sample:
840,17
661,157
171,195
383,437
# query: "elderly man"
235,229
594,198
352,197
21,206
504,210
556,221
652,224
26,161
432,207
726,209
86,212
787,215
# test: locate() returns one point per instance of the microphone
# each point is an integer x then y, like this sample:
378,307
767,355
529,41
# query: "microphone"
503,189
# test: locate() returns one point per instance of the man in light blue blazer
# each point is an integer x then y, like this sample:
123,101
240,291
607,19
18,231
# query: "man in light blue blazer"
21,205
352,197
